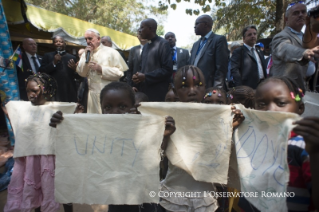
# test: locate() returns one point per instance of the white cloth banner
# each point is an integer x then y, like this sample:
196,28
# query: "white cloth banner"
311,101
261,148
202,142
33,135
108,159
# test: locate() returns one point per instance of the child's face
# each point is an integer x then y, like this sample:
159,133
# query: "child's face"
171,97
34,93
215,98
275,96
116,102
191,91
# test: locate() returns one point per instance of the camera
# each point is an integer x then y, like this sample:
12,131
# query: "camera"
314,12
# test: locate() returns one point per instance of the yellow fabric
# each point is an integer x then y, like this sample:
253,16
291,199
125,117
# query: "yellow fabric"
233,201
51,21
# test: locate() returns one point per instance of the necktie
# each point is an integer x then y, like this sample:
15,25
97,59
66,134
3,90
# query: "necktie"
202,43
253,53
173,55
36,66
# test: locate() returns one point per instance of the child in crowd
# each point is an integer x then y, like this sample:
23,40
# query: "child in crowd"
171,96
215,95
243,95
140,97
32,182
189,84
283,94
119,98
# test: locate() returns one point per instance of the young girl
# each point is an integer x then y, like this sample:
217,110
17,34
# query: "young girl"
215,95
32,182
283,94
118,98
189,87
170,95
242,94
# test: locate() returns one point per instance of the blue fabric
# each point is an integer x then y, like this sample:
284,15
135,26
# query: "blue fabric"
6,176
8,77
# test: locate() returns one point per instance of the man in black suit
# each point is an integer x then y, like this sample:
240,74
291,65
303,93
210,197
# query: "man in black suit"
210,53
180,56
61,66
248,66
134,61
156,64
30,63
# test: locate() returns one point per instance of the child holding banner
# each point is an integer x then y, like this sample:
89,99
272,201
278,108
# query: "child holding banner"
189,87
243,95
283,94
32,182
119,98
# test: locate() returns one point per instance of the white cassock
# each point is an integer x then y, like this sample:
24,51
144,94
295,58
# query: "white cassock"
113,67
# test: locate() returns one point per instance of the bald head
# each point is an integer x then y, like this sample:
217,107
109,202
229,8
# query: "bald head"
207,19
148,29
29,46
171,38
203,25
150,22
106,41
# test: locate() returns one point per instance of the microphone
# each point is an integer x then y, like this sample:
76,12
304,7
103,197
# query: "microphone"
88,56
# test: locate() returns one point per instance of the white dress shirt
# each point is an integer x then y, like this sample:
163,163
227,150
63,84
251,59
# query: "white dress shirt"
31,61
260,67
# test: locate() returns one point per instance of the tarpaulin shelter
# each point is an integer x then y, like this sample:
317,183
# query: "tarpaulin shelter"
45,24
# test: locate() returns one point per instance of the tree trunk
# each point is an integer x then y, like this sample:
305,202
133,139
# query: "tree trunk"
280,15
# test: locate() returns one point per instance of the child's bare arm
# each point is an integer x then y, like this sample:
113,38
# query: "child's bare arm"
308,128
238,118
169,130
56,119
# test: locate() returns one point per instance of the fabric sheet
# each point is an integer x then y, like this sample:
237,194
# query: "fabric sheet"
261,149
108,159
33,135
201,144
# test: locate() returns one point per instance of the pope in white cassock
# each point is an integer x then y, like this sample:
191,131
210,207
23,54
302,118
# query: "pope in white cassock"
105,65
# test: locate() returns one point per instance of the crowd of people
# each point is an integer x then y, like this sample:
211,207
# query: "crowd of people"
159,71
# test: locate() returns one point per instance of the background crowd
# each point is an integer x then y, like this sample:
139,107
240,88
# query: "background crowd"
157,70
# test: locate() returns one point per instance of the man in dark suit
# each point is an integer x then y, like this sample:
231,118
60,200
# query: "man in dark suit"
61,65
210,53
134,61
30,63
180,56
248,66
156,65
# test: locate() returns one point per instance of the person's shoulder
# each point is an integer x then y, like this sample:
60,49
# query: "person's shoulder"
283,33
108,49
216,36
239,50
136,47
70,55
181,50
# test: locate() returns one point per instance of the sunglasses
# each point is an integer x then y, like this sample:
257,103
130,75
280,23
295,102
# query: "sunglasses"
294,3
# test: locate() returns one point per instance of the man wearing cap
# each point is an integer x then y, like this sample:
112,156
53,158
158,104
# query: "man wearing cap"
289,57
247,63
260,46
